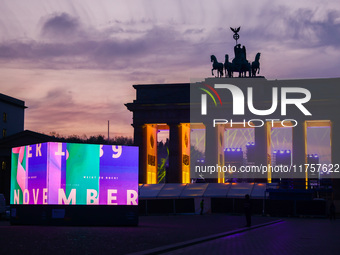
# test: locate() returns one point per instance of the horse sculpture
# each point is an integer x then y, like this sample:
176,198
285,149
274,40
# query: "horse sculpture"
255,65
239,64
240,61
228,67
216,66
231,67
242,68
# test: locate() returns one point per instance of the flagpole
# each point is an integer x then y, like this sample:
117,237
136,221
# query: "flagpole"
108,132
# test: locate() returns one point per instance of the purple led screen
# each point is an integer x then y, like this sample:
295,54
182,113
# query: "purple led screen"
80,174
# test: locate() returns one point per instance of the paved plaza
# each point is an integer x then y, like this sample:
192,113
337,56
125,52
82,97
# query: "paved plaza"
179,234
291,236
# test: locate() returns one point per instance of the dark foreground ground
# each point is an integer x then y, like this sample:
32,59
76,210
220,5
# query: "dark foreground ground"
290,236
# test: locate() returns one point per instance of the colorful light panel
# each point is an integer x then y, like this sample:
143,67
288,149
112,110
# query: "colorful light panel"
78,174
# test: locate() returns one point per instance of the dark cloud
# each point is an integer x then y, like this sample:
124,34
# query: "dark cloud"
158,46
162,43
302,28
60,26
17,50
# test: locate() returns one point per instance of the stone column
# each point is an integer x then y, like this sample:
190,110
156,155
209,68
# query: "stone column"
174,174
262,148
184,141
138,140
335,147
150,150
211,149
220,149
299,152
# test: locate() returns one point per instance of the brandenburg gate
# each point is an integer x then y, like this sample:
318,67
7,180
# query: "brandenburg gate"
167,106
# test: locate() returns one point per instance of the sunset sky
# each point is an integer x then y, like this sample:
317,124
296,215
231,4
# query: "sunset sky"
74,62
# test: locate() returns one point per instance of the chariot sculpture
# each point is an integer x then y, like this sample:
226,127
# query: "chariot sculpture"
239,64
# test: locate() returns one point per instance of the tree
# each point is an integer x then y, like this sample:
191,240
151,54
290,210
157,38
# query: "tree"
99,139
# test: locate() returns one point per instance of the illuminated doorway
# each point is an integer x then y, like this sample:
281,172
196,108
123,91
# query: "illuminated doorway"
239,150
318,152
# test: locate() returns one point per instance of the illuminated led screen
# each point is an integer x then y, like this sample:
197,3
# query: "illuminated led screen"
76,174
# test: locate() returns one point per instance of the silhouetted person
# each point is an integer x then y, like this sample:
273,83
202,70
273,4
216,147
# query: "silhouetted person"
247,210
332,215
244,54
202,206
238,52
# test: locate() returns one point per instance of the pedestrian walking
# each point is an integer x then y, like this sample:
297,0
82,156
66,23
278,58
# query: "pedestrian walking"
332,211
247,210
202,206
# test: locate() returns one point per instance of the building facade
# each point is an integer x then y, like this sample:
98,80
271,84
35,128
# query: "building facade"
12,115
12,112
168,106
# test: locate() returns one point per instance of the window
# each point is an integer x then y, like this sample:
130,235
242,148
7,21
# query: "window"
4,117
3,165
4,132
